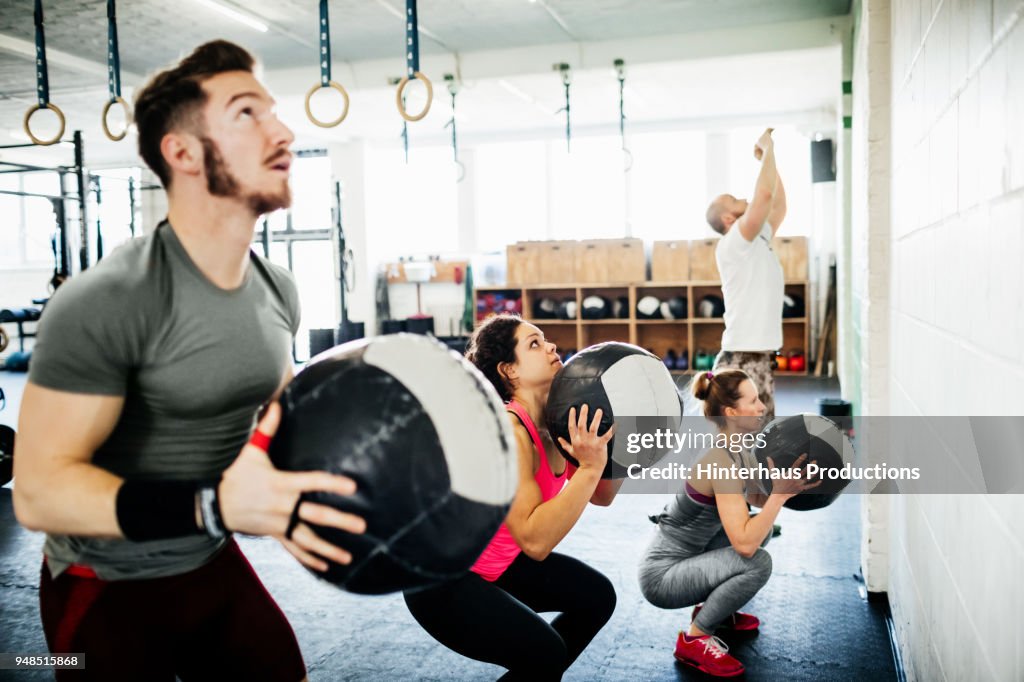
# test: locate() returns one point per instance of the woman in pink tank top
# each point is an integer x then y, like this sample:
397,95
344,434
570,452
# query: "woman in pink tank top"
491,614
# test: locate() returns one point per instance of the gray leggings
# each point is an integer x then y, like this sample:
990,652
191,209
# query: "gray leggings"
719,577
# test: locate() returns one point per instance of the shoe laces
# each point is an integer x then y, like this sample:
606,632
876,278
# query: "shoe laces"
715,646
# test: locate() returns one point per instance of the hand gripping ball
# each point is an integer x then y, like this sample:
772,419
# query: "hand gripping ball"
426,439
631,386
825,443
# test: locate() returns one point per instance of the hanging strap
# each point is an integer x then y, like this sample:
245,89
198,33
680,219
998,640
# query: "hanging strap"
566,72
620,69
412,64
325,73
453,89
114,76
42,84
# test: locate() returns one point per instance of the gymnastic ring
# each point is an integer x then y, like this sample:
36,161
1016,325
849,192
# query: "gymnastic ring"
398,96
28,129
344,111
127,119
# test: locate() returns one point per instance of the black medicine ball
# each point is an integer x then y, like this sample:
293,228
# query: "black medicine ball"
711,306
674,308
786,438
567,309
792,306
620,307
633,389
648,308
426,439
595,308
545,308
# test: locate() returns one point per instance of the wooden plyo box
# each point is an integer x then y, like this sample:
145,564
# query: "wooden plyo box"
703,267
670,261
792,254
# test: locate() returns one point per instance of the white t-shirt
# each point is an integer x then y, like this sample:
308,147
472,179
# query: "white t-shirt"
753,288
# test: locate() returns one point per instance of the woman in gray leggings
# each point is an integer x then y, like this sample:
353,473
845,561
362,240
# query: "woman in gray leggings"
708,548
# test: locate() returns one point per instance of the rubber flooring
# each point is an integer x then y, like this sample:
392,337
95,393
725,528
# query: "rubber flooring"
815,624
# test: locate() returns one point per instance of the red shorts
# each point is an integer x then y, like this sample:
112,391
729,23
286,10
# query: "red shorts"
216,622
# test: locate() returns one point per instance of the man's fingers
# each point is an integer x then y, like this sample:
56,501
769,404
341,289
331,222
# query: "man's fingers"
304,557
608,435
312,543
271,419
322,515
596,421
320,481
572,422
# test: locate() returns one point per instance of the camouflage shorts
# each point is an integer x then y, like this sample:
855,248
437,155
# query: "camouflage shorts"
759,367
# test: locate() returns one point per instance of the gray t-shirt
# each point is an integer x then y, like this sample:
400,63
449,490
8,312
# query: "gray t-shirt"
193,362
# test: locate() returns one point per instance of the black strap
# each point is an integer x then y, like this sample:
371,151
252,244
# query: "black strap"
325,45
113,54
405,135
412,40
566,81
42,77
619,67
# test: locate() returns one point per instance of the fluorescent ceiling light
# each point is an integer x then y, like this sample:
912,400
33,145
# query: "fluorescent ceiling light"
235,14
508,87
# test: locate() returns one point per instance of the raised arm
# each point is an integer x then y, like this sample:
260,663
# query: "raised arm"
778,212
763,197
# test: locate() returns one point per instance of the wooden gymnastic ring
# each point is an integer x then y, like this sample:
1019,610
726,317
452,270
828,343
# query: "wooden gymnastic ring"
344,111
28,129
398,96
127,119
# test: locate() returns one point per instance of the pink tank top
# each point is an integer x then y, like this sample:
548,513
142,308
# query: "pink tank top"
503,550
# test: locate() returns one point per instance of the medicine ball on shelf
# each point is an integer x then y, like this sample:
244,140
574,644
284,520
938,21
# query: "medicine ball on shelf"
648,308
426,439
786,438
567,309
620,307
595,308
674,308
632,388
711,306
545,308
792,306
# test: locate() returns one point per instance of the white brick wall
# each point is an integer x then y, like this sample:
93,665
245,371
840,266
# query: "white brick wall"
957,321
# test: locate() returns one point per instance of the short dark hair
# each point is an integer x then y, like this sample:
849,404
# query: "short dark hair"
173,97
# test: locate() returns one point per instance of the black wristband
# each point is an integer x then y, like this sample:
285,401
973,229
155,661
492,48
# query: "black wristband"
155,510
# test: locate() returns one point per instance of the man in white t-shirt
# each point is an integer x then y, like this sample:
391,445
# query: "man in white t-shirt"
752,280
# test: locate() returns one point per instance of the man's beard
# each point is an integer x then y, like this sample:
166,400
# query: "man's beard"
221,183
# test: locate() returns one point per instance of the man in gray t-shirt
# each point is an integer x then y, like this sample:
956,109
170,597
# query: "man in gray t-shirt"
144,387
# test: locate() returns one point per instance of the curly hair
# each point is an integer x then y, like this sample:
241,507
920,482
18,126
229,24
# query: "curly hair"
494,343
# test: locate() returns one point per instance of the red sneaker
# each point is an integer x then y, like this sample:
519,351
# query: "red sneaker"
737,622
707,654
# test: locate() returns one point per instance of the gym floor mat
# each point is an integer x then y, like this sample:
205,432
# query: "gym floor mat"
815,626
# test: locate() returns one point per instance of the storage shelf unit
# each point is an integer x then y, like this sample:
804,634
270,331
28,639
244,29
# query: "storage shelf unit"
688,335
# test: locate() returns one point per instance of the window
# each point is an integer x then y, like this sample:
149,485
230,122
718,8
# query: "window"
668,185
511,193
410,208
588,190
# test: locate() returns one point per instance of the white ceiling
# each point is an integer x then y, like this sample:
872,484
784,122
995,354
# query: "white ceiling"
704,63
